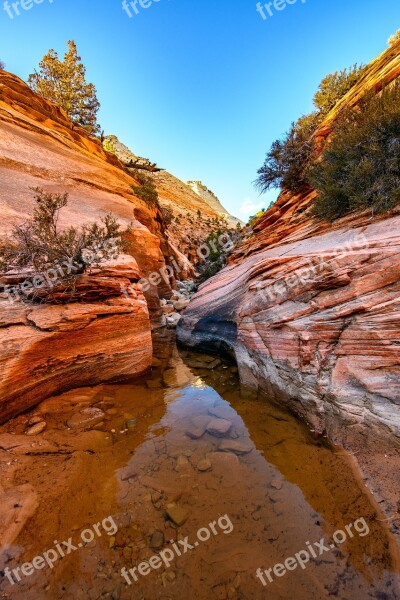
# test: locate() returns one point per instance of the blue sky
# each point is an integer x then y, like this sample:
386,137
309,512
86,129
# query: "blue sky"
202,87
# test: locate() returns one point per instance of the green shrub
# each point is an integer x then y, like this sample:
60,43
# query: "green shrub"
39,244
146,191
287,162
334,86
360,166
254,218
216,258
209,270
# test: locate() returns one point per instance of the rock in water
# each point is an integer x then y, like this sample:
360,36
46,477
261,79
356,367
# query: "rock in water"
236,446
37,428
219,427
198,426
204,465
86,417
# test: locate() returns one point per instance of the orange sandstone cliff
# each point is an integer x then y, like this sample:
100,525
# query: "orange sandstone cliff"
47,349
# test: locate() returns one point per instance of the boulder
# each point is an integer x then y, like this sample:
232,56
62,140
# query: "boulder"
237,447
67,346
219,427
173,320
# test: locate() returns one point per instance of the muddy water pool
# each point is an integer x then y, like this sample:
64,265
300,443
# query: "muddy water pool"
206,485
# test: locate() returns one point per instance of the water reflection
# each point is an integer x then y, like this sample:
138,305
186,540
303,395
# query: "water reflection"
186,437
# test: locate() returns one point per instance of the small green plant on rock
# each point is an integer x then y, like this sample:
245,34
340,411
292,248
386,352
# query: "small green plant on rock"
147,190
360,167
39,244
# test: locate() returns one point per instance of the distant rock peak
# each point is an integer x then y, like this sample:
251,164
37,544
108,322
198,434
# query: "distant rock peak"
130,160
213,201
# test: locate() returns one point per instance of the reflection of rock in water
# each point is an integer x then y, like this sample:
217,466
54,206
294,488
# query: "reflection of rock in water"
173,453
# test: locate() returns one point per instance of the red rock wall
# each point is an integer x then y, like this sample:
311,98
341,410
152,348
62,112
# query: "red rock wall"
49,349
52,348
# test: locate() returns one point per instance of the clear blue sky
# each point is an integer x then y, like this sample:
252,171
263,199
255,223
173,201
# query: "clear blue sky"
202,87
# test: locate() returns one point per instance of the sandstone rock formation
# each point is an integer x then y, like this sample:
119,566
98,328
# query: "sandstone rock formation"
208,196
107,334
194,210
50,348
310,310
131,161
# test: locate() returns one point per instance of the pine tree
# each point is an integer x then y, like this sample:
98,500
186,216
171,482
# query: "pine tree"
64,83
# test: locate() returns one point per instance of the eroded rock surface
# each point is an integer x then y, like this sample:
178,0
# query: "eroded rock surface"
101,330
52,348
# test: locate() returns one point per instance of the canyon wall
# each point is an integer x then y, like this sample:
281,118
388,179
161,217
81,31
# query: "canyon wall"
311,310
47,349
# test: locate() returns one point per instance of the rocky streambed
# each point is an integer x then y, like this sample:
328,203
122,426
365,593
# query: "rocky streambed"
173,307
183,450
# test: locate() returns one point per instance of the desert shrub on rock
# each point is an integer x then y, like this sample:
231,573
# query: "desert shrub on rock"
360,166
40,244
147,190
287,163
219,244
334,86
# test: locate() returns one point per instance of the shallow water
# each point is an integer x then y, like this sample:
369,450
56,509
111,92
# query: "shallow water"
276,490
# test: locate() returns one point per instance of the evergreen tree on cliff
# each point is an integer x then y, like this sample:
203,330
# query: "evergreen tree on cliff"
64,83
